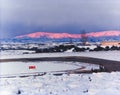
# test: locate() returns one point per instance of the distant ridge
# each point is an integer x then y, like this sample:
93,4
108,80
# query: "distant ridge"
68,35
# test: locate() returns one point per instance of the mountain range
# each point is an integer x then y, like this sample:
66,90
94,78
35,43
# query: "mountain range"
67,37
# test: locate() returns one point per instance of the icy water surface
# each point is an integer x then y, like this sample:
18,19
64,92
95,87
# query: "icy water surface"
15,68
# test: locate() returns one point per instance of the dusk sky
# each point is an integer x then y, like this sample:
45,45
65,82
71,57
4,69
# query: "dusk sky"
18,17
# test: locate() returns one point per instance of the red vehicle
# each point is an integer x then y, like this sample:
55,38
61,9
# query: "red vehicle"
32,67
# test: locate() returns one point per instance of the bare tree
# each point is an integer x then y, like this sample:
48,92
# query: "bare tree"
70,40
84,37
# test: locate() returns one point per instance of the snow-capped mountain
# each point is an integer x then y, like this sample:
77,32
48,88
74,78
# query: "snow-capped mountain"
67,35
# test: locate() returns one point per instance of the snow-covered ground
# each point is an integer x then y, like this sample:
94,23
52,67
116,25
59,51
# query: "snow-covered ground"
49,84
15,52
73,84
110,55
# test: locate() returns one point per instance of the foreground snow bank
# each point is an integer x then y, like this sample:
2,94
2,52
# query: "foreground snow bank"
73,84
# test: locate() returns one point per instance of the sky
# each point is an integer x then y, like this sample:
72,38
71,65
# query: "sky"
19,17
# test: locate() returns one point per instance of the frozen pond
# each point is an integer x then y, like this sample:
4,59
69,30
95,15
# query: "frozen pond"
16,68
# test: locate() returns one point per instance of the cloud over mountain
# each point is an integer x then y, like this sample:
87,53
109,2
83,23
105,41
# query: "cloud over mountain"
19,17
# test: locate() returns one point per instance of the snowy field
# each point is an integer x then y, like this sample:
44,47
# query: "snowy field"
73,84
110,55
15,52
66,84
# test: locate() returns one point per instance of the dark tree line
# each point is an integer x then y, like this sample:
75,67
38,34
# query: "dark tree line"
63,48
